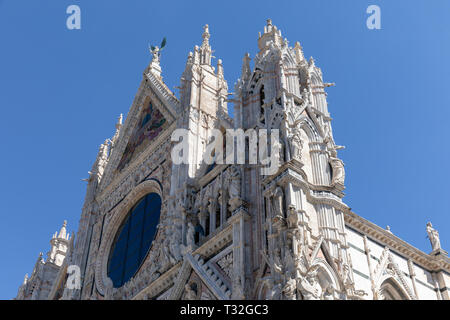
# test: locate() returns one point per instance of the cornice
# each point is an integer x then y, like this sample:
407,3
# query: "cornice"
374,232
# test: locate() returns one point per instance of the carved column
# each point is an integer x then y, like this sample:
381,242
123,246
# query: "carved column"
412,275
238,221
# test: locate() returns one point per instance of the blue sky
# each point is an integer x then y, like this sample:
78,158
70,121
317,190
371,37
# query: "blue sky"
62,90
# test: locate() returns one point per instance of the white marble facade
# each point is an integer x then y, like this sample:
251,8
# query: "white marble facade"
288,235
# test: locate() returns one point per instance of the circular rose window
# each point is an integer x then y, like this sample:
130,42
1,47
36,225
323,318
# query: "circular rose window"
134,239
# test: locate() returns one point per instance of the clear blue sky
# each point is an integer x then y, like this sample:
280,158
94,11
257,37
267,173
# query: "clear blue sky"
62,90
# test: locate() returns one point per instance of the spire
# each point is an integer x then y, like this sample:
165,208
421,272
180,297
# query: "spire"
271,36
299,53
246,72
119,121
59,244
118,127
205,35
63,232
205,48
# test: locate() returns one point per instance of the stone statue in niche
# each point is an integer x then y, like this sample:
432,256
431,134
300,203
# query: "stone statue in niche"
290,287
296,144
190,294
234,189
175,242
190,199
277,203
190,236
274,290
309,286
337,166
292,217
433,235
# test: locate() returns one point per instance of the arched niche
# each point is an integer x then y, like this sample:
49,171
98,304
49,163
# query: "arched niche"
391,289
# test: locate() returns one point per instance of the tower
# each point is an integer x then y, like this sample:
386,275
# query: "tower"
203,99
299,210
59,245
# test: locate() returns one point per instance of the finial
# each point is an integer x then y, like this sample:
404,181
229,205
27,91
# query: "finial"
62,231
246,66
119,121
25,279
205,34
388,229
269,22
219,67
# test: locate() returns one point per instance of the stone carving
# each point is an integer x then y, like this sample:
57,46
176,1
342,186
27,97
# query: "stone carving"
109,289
175,244
274,290
206,296
234,189
290,287
296,144
238,289
277,202
155,54
329,293
338,171
190,294
309,286
433,235
190,236
226,264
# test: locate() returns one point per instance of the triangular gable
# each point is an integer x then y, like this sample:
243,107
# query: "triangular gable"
386,268
208,277
153,111
150,123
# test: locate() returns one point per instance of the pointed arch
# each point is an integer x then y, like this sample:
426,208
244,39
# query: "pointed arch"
326,274
391,289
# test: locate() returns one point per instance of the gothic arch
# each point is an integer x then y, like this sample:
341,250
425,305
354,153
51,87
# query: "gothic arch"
313,150
115,221
326,274
391,289
315,79
288,60
310,129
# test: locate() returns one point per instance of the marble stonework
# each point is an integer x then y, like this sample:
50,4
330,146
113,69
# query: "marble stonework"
287,236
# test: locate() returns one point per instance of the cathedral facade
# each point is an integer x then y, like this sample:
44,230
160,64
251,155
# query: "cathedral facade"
155,227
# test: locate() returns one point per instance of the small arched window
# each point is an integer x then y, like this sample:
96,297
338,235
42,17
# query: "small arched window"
262,96
134,239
